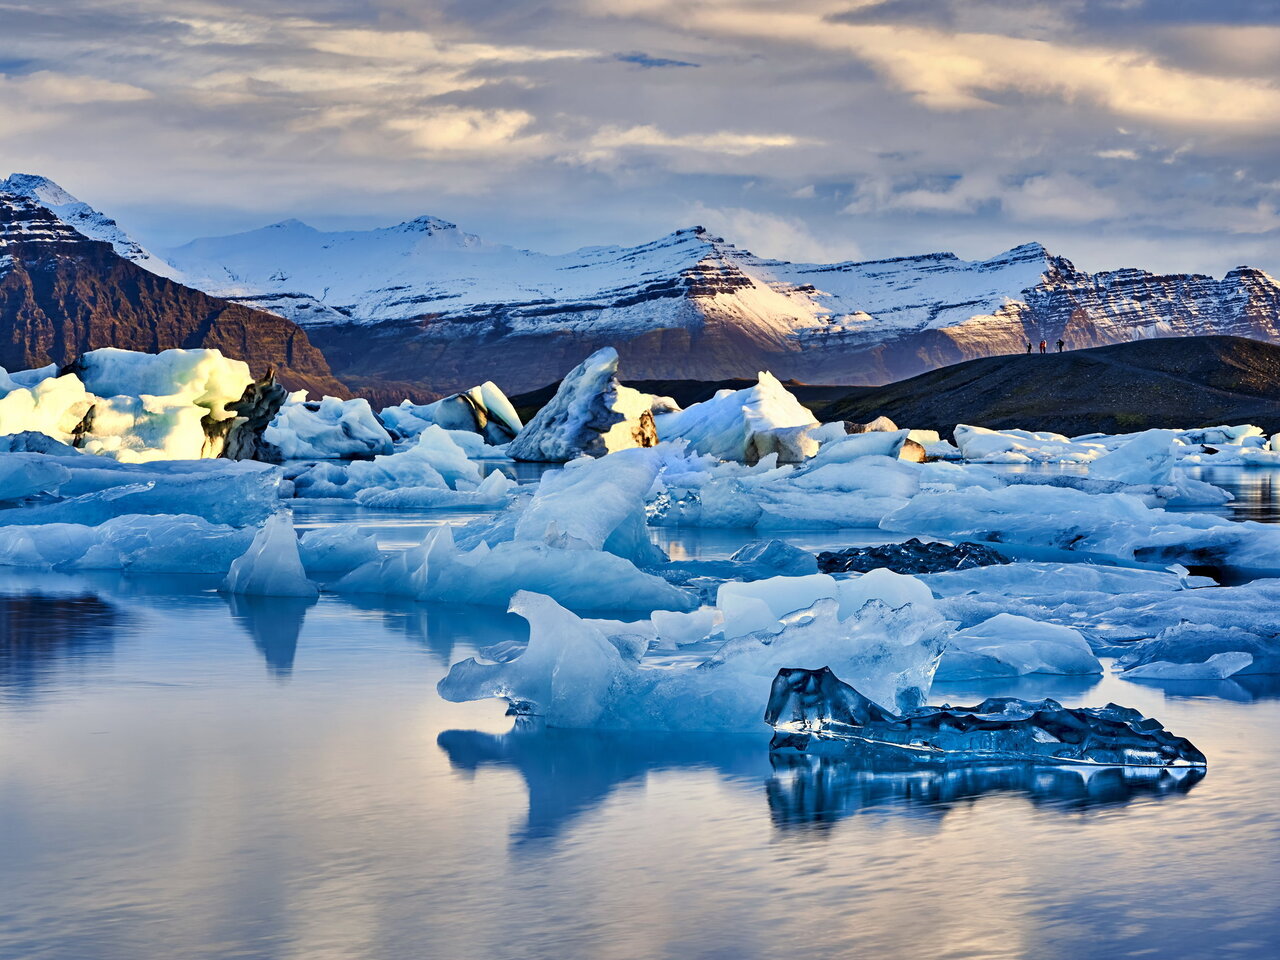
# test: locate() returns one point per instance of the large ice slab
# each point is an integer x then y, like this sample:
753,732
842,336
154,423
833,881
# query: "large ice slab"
149,544
1008,645
484,410
576,673
812,711
591,414
434,461
725,425
329,429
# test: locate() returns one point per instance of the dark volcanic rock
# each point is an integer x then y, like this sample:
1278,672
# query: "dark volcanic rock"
254,411
913,556
62,294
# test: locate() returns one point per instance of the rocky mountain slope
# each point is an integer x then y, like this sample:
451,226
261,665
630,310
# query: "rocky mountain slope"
1170,382
423,302
432,309
62,293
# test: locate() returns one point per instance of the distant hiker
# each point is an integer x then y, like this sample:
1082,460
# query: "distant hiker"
1028,346
1044,346
1061,344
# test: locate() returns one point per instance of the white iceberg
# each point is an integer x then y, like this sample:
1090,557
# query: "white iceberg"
572,674
328,429
725,425
147,544
1008,645
271,567
591,414
483,410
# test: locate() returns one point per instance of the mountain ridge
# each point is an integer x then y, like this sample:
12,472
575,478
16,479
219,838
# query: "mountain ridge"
63,293
425,304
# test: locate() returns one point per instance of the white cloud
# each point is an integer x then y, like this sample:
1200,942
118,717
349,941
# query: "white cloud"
770,235
719,141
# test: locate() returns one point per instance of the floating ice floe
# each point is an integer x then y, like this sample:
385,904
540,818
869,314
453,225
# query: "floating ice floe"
591,413
271,567
483,410
980,445
813,711
327,429
434,472
336,549
579,673
98,488
1008,645
1115,525
148,544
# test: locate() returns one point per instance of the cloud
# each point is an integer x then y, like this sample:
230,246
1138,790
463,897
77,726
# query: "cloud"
717,141
770,235
455,129
644,60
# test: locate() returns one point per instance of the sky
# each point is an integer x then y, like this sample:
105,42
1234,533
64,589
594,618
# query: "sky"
1116,132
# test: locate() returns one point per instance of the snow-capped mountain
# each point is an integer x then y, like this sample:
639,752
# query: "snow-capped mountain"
424,303
85,219
63,293
427,303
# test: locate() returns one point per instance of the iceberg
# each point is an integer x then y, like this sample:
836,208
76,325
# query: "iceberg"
328,429
25,475
434,461
484,410
144,544
1115,525
591,414
813,712
336,549
271,567
725,425
488,576
978,444
1191,644
574,673
1008,645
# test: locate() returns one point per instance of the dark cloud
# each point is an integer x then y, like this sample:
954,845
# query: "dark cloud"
644,60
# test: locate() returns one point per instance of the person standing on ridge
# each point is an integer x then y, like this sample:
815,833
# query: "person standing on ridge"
1044,346
1028,346
1061,343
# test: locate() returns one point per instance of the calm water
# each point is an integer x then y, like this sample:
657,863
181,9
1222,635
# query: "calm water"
184,776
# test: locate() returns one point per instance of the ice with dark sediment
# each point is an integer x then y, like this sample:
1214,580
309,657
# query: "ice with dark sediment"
814,712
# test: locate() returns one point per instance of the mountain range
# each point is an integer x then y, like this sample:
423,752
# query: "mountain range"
63,293
425,306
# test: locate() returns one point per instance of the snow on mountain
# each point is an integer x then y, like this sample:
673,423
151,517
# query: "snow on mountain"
85,219
425,303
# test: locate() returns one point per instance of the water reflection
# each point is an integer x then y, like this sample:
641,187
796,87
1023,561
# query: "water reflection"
806,792
570,772
441,627
273,624
43,635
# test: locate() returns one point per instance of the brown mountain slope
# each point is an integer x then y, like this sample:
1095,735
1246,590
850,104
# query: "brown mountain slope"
62,294
1173,382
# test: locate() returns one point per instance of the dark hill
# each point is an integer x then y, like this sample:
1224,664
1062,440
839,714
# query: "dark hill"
62,294
1175,382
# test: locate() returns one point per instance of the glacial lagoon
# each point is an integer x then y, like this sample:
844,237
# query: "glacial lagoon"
192,775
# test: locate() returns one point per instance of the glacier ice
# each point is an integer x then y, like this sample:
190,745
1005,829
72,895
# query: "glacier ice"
591,413
271,567
725,425
1008,645
484,410
572,674
25,475
1250,648
336,549
99,488
1116,525
488,575
982,445
144,544
434,460
814,712
328,429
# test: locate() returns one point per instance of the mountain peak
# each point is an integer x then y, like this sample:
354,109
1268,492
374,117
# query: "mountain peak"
38,188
